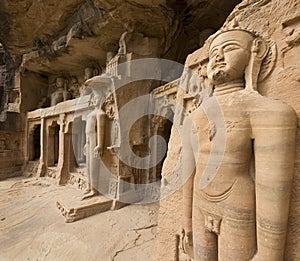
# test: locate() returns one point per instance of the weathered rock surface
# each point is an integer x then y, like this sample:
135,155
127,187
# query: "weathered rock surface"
53,30
32,228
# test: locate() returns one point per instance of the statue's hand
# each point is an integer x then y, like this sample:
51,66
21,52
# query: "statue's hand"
98,151
257,257
187,242
188,239
85,150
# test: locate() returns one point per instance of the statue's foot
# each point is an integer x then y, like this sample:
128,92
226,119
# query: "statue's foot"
87,191
94,192
91,194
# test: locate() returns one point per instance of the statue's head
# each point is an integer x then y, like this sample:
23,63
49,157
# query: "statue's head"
89,72
96,100
100,86
74,81
236,55
109,56
60,82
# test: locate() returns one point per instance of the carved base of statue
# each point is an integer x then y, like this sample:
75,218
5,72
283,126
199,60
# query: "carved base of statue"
88,193
76,209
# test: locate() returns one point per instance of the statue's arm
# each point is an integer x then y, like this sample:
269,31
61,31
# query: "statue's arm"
66,95
52,99
100,132
274,149
188,171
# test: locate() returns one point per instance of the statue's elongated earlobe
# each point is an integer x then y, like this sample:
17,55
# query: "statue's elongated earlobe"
261,48
259,51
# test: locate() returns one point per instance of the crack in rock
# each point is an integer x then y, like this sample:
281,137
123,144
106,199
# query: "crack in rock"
134,243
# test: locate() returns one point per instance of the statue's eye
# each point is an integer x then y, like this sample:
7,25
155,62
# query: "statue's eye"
230,48
213,53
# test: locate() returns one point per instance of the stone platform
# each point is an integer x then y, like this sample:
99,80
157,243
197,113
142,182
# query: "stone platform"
75,209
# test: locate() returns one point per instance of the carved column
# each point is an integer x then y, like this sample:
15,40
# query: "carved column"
63,156
42,169
51,147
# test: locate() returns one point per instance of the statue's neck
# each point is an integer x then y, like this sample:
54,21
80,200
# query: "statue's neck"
229,87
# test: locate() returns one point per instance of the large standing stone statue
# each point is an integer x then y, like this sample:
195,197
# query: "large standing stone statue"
236,201
60,94
95,136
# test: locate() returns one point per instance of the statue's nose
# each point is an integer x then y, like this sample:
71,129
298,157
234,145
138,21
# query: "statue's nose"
220,55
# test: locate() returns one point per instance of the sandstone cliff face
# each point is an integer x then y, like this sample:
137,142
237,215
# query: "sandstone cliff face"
77,29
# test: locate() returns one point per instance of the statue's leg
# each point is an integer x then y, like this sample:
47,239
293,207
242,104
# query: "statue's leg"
205,243
88,170
94,168
88,164
237,239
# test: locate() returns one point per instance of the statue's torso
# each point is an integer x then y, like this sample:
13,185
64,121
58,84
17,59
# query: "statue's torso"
230,162
58,96
91,123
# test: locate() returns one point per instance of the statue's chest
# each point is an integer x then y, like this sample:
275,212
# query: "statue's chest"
231,128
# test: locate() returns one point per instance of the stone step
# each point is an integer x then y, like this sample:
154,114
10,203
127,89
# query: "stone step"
75,209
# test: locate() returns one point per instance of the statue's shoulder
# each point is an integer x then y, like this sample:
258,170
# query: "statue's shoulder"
198,114
270,109
273,104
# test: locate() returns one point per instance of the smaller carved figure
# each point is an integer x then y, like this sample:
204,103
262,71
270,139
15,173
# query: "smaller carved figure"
89,72
115,135
2,144
95,135
109,57
94,146
74,88
60,94
122,44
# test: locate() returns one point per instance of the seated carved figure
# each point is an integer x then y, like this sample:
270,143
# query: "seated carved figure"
236,201
74,88
60,94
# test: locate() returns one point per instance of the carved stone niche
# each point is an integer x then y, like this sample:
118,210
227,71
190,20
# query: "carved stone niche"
10,140
53,144
161,123
34,143
13,100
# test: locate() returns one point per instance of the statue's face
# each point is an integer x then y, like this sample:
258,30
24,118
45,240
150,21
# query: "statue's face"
229,56
88,73
97,99
60,82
